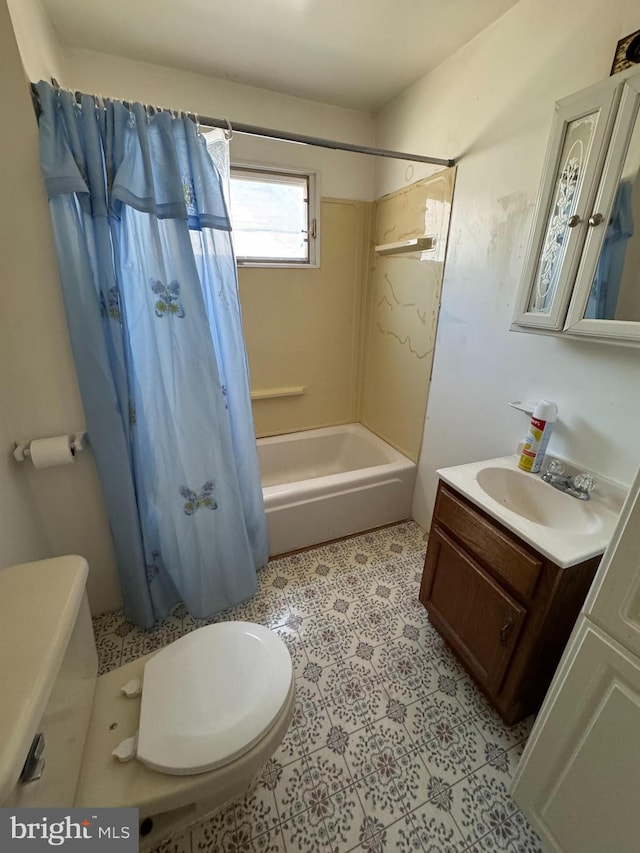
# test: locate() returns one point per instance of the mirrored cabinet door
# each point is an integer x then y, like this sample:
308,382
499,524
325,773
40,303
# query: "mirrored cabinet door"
576,150
606,298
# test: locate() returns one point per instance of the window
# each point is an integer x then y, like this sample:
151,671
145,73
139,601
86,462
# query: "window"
273,216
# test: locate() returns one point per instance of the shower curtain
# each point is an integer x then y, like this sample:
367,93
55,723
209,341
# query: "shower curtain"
149,282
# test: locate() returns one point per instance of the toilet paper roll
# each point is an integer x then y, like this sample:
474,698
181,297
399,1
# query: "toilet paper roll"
48,452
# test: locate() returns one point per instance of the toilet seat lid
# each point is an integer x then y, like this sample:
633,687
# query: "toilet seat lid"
210,696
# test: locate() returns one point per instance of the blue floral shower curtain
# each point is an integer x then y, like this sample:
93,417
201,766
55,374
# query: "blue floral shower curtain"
149,282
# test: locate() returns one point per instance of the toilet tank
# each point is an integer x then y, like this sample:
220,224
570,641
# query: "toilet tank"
48,669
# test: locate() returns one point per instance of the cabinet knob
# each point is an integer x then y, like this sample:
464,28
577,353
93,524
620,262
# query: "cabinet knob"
505,631
574,220
596,219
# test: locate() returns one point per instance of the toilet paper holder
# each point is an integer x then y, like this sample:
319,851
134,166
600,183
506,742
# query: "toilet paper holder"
22,449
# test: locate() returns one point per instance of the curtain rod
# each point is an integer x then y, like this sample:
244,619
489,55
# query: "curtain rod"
288,136
319,142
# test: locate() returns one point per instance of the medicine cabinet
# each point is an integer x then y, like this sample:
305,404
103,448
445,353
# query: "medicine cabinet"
582,270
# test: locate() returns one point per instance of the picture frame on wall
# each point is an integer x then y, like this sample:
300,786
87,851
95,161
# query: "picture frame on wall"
627,53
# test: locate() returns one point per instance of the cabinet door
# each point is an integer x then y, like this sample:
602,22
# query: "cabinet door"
575,153
471,611
606,298
579,776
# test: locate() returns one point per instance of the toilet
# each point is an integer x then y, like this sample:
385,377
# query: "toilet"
178,733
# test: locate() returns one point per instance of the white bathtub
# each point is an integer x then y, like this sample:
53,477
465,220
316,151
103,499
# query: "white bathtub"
321,484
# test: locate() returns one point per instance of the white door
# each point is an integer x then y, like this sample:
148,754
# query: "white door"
579,778
614,599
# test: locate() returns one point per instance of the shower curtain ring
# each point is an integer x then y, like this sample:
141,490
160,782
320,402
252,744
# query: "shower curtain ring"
228,130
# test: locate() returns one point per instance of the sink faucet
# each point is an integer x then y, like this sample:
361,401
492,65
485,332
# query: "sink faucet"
578,486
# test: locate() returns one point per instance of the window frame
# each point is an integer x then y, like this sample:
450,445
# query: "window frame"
313,213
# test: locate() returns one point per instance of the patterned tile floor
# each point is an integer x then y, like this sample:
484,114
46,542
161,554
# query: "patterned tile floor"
391,747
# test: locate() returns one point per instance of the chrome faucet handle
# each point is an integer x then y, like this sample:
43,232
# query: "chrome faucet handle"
584,482
555,466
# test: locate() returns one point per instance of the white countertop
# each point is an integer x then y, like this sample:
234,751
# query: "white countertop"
39,603
586,533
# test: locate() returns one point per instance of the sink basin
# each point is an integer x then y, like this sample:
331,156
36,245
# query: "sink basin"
563,528
537,501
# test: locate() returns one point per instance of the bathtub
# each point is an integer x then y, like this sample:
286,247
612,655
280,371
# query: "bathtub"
321,484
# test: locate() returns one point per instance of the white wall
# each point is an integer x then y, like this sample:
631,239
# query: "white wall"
60,510
343,175
490,105
37,41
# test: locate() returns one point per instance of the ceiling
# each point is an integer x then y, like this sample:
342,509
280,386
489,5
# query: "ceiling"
353,53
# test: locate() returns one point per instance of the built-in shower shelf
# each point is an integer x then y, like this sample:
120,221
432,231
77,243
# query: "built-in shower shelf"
415,244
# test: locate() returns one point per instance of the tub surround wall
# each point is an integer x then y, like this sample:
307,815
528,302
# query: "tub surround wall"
60,510
401,314
302,326
491,105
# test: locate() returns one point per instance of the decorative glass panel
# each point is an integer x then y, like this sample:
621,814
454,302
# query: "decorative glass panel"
615,292
573,159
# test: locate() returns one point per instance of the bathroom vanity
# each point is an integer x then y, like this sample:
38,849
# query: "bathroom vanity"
508,566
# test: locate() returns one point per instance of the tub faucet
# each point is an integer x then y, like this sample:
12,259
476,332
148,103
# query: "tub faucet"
578,486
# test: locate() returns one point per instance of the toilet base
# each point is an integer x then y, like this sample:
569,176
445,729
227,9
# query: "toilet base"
172,802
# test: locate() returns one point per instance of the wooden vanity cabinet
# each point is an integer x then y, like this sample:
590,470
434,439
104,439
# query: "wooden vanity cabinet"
505,609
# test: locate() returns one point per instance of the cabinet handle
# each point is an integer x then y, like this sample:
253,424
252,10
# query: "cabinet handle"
596,219
505,631
574,220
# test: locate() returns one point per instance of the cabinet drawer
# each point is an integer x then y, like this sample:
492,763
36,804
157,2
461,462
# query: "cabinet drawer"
494,549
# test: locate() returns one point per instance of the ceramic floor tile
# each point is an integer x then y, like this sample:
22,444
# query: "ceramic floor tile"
309,598
404,669
456,751
411,776
382,802
270,842
400,836
216,834
257,813
437,830
270,609
329,773
179,844
375,623
328,637
391,735
343,817
371,835
482,802
425,717
306,832
352,585
514,835
360,751
107,623
494,731
293,789
109,649
311,725
352,693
